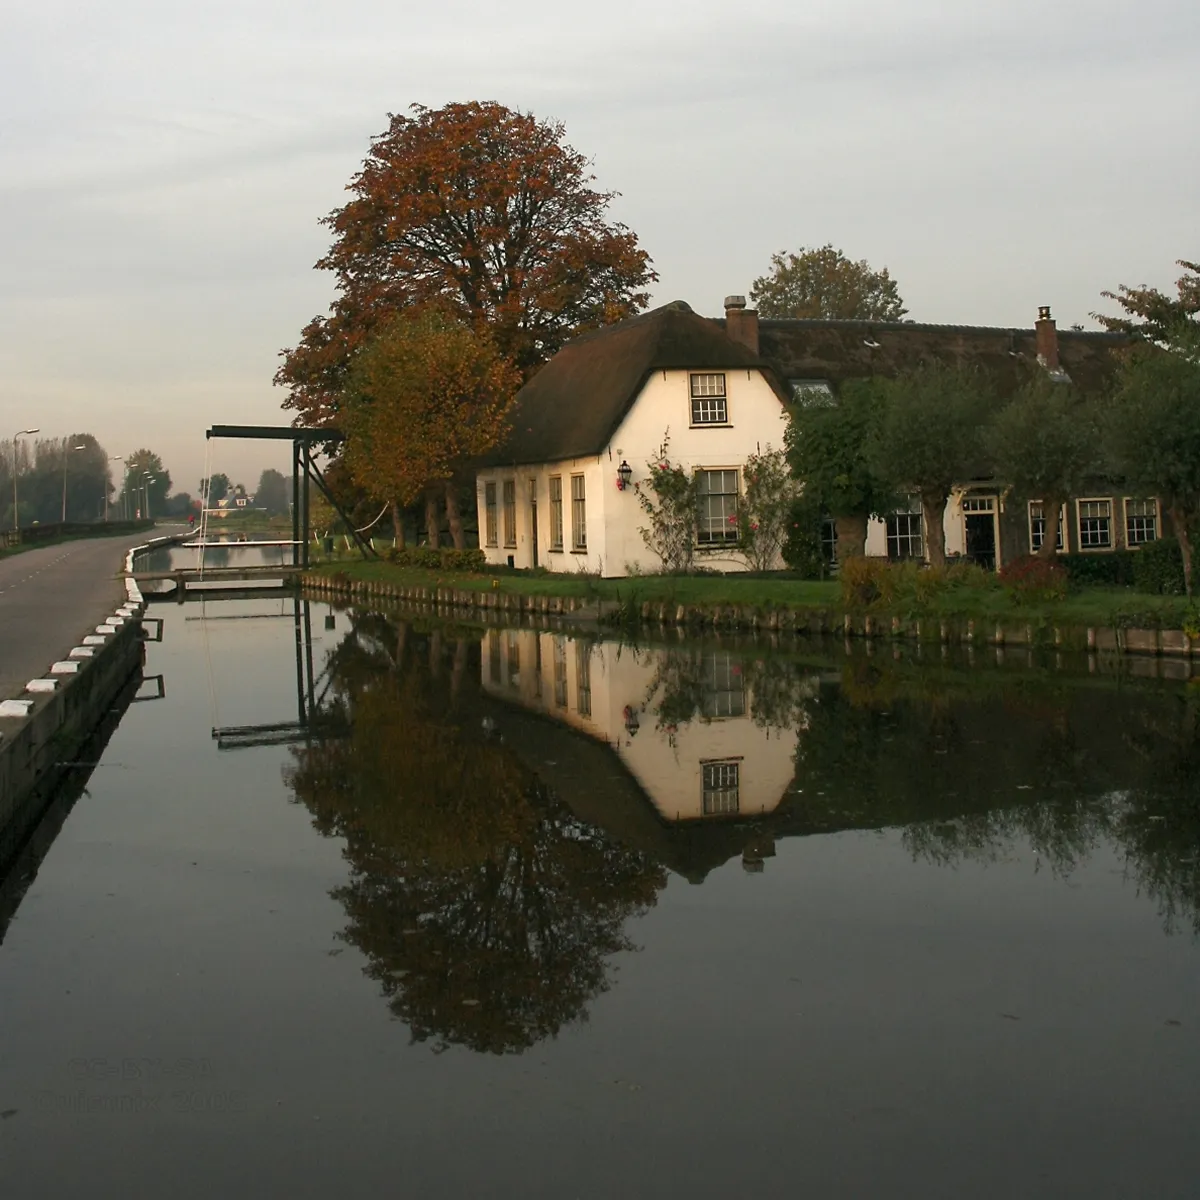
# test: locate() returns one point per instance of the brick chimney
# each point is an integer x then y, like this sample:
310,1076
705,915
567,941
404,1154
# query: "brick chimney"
741,323
1046,339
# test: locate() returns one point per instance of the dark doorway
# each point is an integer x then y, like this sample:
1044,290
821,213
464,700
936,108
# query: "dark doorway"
533,529
981,539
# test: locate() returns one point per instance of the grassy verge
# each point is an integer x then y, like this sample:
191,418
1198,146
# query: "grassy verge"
99,531
1093,606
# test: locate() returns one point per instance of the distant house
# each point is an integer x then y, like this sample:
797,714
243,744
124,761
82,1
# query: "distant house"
552,494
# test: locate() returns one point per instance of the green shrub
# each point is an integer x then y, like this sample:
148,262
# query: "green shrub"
1032,579
1158,568
801,549
434,559
864,581
907,585
1111,569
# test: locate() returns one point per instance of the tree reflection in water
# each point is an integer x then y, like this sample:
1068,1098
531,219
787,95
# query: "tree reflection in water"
486,910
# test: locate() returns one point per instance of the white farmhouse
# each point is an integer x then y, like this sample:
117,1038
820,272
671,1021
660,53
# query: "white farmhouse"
558,493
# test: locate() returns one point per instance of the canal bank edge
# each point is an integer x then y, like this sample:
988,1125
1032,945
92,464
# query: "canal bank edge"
1164,643
41,730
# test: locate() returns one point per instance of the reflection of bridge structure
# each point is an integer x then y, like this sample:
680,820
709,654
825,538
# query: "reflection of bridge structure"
311,721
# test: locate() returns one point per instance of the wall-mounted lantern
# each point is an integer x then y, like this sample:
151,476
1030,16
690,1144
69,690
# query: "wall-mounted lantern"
624,475
632,724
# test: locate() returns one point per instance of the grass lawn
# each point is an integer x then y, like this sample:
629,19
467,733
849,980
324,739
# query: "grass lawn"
1093,606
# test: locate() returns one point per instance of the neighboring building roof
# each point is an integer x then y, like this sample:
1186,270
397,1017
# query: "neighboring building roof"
839,350
574,404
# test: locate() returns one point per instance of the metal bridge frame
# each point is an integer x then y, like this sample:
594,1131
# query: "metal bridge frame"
304,471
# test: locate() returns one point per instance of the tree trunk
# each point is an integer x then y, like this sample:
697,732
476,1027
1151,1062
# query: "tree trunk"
1179,520
435,652
401,643
398,525
1051,511
851,536
432,520
933,510
453,516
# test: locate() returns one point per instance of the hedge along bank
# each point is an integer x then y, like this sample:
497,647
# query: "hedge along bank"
598,609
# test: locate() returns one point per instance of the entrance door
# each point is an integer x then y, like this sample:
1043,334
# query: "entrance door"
979,516
533,529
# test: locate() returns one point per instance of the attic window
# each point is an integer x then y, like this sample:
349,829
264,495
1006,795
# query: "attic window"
807,392
709,405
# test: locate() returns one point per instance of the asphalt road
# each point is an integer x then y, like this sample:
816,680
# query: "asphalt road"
50,598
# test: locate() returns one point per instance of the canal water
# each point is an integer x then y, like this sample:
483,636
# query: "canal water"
354,903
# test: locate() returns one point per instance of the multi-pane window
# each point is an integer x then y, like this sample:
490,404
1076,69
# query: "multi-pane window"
1141,522
510,512
556,513
583,678
828,539
560,672
904,533
720,783
810,392
724,687
494,655
716,520
514,659
1095,524
1037,526
489,507
578,514
709,403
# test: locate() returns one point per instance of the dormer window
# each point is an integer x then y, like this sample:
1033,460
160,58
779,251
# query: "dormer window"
709,404
806,392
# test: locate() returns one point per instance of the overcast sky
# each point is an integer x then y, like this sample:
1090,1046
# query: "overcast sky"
164,163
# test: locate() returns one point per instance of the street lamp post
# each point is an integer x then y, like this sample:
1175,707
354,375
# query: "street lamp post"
66,459
16,510
114,458
146,489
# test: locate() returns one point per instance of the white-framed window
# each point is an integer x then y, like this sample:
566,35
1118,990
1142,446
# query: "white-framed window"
1037,526
578,513
583,678
489,509
1141,521
510,512
724,687
978,504
709,403
716,520
905,537
1095,524
720,784
556,512
560,672
514,659
829,539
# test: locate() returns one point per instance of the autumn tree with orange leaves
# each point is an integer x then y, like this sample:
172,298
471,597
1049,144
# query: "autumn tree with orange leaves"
481,208
425,393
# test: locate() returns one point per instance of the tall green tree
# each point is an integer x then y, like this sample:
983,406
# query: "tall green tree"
272,492
1152,314
827,441
1153,428
141,467
214,489
823,282
928,438
1046,442
483,209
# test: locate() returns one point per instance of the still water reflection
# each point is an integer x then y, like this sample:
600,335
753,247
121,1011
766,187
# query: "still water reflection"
877,926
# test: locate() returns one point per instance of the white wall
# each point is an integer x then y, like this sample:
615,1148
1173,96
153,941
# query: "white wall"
757,421
667,764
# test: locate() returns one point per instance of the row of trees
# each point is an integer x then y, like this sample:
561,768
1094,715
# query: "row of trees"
929,430
72,479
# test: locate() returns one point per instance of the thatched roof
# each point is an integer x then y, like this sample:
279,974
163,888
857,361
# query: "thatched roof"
839,350
572,407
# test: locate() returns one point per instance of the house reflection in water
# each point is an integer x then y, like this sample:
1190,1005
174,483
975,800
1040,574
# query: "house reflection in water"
680,721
